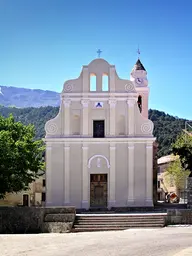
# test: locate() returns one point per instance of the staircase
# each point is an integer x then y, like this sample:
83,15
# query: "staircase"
107,222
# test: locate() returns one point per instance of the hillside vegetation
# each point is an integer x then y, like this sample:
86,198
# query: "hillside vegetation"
167,127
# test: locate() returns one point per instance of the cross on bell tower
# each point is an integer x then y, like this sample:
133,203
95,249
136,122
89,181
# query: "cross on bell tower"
138,52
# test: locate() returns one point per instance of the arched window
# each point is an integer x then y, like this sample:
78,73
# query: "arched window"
93,82
139,102
105,83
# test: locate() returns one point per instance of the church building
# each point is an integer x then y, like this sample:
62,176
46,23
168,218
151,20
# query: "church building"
99,148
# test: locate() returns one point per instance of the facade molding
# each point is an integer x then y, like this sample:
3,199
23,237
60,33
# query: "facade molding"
67,102
98,156
93,95
100,140
131,102
112,103
131,145
85,103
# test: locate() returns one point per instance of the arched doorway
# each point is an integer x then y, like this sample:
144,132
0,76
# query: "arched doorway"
98,181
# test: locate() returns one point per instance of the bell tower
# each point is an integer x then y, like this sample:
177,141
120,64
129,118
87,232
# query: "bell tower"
139,77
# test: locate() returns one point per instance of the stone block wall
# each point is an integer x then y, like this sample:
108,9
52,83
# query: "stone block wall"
189,193
179,217
20,220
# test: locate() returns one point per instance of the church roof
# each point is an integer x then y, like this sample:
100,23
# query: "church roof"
139,65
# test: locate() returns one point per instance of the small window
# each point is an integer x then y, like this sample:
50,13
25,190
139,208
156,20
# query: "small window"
93,83
158,184
105,83
43,197
99,129
44,183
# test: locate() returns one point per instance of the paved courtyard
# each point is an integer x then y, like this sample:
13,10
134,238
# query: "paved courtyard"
169,241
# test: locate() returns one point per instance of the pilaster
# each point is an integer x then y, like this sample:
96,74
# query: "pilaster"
99,83
48,175
112,79
131,116
67,103
112,103
85,178
130,181
86,78
145,104
149,174
85,117
67,174
112,182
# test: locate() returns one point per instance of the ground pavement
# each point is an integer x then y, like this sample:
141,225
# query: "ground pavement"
168,241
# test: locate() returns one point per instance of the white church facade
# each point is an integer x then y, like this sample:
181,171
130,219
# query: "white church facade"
99,148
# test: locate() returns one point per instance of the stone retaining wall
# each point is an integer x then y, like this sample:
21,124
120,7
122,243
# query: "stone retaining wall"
189,193
179,216
20,220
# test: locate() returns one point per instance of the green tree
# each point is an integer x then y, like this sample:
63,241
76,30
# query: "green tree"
21,160
183,148
177,174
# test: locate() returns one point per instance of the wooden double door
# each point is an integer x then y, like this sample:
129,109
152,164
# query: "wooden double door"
98,190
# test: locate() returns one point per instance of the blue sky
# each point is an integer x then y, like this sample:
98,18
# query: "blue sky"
43,43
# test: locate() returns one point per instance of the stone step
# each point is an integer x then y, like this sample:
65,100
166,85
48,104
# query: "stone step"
110,228
98,222
121,215
121,225
96,229
121,219
117,221
118,224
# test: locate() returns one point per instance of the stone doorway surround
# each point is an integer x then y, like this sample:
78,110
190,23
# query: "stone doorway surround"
98,190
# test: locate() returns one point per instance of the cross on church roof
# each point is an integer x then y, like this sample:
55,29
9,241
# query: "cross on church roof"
99,53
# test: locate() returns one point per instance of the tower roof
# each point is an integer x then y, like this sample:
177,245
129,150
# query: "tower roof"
139,65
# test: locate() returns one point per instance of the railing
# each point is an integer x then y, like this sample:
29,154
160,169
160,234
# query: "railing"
188,127
188,130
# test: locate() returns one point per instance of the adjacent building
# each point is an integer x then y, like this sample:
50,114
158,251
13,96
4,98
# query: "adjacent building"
35,196
166,184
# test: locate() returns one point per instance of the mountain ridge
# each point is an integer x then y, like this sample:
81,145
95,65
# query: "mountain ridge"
23,97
